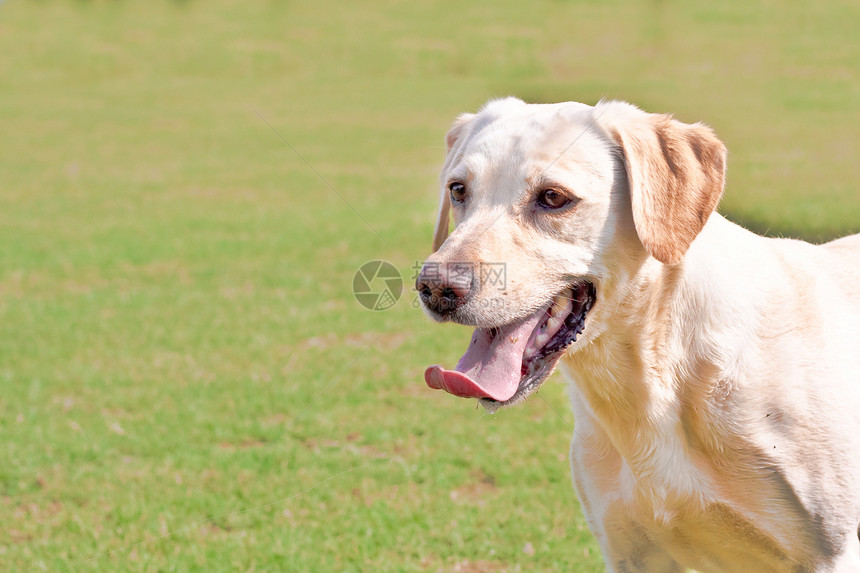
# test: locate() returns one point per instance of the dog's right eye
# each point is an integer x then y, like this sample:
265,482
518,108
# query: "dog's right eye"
458,192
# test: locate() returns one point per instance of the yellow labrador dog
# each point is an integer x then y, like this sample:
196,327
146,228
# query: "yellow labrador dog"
715,373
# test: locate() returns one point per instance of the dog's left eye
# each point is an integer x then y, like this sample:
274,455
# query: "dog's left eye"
552,199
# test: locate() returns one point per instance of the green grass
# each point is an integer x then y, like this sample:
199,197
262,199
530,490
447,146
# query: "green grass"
187,382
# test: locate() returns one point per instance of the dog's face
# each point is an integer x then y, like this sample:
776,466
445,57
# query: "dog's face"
545,200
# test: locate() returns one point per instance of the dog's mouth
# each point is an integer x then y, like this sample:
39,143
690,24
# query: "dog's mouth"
506,363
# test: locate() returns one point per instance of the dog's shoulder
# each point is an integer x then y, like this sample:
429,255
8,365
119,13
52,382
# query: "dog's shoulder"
848,247
843,264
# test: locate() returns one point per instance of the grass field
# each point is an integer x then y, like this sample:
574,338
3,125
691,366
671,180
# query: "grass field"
187,381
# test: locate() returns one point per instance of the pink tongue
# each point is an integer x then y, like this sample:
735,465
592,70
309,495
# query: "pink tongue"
490,368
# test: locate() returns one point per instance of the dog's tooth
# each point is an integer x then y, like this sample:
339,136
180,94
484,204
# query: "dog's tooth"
560,303
552,327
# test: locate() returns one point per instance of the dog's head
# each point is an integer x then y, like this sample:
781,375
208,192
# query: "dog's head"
555,206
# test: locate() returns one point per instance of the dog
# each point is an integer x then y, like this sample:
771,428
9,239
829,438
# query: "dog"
715,373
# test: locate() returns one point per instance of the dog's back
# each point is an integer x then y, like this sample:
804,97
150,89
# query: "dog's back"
845,272
848,273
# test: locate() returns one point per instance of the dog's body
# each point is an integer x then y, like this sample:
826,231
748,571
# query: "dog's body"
718,417
716,384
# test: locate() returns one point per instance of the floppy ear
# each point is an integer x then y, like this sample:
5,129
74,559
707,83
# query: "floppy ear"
676,173
442,220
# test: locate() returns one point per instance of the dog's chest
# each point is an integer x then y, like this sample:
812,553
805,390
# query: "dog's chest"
661,492
682,509
717,538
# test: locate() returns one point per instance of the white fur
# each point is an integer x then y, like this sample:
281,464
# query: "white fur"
717,399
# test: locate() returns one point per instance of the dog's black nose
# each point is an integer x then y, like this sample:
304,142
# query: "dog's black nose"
444,287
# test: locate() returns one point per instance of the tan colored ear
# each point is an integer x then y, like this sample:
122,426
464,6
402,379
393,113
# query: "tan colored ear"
442,220
443,217
676,173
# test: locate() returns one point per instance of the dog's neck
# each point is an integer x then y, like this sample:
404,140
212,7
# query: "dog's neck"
626,378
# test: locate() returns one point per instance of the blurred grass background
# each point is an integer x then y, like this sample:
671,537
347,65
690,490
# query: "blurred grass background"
187,381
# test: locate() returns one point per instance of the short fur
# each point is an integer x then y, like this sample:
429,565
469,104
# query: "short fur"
716,386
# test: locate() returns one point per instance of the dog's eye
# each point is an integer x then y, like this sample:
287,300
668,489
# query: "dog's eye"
458,192
552,199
